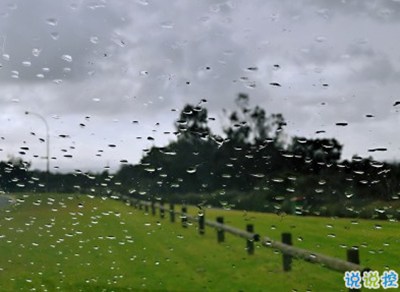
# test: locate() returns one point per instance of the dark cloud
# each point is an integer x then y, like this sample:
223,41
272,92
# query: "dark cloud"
377,10
137,60
379,70
44,40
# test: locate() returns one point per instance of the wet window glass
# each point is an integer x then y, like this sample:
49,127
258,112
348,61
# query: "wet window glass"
199,145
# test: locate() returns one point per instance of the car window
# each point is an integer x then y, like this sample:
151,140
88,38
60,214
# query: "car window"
199,145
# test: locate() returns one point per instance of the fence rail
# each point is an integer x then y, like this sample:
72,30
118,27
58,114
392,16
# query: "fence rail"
309,256
285,246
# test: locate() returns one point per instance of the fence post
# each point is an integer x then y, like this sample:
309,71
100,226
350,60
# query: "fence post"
201,217
250,242
153,208
287,259
353,256
220,232
184,218
172,212
162,211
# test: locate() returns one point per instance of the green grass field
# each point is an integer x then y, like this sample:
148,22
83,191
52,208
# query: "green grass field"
82,243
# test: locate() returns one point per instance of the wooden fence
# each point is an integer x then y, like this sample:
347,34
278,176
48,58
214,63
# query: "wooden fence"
285,246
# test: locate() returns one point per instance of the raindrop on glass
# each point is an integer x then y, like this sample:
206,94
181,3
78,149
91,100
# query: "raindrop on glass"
67,58
52,21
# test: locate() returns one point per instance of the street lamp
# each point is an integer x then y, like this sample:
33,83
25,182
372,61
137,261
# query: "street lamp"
47,138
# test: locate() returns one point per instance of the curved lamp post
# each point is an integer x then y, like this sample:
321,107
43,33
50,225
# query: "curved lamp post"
47,138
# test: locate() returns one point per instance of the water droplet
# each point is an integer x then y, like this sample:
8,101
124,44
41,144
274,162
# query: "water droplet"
254,68
15,74
167,24
142,2
312,256
67,58
279,198
381,211
379,149
52,21
320,39
55,35
376,164
275,84
258,175
94,40
26,63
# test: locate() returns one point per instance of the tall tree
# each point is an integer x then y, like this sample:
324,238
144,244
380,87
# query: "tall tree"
192,123
252,125
314,154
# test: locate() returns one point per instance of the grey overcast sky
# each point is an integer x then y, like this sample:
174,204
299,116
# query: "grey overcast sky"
106,64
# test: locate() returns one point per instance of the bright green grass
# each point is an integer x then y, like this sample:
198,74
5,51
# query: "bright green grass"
378,241
70,243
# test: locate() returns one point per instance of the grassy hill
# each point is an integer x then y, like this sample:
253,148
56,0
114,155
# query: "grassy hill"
81,243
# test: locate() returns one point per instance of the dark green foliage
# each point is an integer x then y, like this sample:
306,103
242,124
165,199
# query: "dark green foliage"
251,167
314,154
14,175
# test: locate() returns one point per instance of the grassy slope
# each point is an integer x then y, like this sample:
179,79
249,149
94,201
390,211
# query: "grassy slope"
90,244
379,241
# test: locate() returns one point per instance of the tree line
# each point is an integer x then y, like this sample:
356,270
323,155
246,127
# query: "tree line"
253,165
